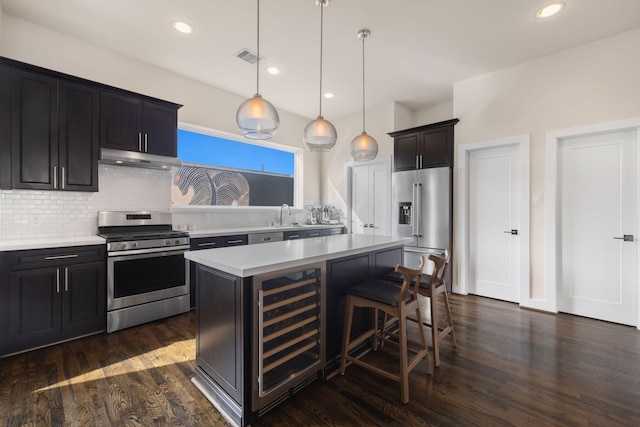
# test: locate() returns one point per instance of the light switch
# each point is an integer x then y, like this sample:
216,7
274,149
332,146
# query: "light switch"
537,198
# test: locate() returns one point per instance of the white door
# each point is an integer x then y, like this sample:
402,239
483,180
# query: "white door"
598,204
370,199
494,223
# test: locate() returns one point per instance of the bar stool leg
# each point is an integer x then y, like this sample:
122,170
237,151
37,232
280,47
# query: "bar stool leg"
404,361
423,339
346,335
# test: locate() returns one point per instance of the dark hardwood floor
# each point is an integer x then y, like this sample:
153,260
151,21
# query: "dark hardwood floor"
511,367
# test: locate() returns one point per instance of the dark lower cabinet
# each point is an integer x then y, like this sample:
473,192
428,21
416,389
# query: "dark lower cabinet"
211,242
52,296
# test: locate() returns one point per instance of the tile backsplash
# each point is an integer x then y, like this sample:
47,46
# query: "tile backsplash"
28,214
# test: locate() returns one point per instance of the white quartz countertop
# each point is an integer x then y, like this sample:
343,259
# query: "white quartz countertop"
258,229
251,260
54,242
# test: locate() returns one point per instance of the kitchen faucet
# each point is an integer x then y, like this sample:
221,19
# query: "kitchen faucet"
284,205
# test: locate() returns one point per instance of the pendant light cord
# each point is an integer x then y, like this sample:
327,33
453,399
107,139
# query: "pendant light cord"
322,3
258,48
364,36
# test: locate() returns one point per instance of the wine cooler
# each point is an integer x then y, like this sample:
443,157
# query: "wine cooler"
287,339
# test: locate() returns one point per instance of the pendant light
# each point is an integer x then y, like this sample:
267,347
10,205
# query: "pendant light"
256,117
363,147
320,134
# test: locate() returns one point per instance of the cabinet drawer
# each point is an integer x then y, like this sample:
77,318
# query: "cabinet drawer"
37,258
312,233
240,239
206,243
332,231
293,235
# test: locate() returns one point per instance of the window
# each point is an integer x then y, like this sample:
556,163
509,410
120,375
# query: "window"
225,172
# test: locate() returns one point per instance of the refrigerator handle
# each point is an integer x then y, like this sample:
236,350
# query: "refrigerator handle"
418,209
414,214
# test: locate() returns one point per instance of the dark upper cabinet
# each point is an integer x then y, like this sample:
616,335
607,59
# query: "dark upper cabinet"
54,133
424,147
5,127
134,124
34,130
79,128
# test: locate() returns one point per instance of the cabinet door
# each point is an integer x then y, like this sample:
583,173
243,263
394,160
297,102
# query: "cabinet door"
120,122
34,304
405,150
84,297
5,127
79,133
160,133
435,148
34,130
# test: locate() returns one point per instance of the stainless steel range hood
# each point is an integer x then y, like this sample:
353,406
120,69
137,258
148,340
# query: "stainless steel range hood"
137,160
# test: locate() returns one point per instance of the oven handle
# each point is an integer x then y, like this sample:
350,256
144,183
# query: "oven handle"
156,251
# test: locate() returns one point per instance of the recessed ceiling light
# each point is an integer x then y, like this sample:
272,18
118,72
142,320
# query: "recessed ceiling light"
549,10
182,27
272,69
328,95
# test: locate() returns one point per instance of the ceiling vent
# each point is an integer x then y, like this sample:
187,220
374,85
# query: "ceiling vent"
248,56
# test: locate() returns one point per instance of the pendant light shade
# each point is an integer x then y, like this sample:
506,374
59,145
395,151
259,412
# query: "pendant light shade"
320,134
363,147
256,117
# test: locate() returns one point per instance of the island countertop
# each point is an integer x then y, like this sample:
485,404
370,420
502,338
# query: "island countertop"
251,260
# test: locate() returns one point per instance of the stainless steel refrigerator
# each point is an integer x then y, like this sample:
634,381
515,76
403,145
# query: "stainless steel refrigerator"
422,204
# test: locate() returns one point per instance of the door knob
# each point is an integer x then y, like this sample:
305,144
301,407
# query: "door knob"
626,238
514,232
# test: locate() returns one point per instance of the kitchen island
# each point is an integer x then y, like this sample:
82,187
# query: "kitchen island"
270,317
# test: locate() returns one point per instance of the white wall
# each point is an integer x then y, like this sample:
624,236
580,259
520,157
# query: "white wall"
432,114
593,83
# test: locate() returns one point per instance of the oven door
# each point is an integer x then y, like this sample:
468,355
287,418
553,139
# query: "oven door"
142,276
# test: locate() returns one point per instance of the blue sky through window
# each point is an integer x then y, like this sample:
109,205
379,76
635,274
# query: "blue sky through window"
211,150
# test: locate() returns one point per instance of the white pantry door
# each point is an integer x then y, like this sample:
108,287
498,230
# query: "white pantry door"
598,202
494,221
370,199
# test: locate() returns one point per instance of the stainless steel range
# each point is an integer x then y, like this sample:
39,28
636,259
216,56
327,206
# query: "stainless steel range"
147,274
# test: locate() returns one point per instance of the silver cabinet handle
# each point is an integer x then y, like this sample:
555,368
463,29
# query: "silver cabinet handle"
420,161
626,238
55,177
417,162
207,244
57,280
266,239
61,257
139,141
146,145
235,241
291,236
62,179
66,279
514,232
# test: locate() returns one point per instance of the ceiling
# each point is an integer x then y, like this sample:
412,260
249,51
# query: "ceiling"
416,51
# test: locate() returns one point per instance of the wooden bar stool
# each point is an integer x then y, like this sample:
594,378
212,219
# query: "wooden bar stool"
396,301
432,285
